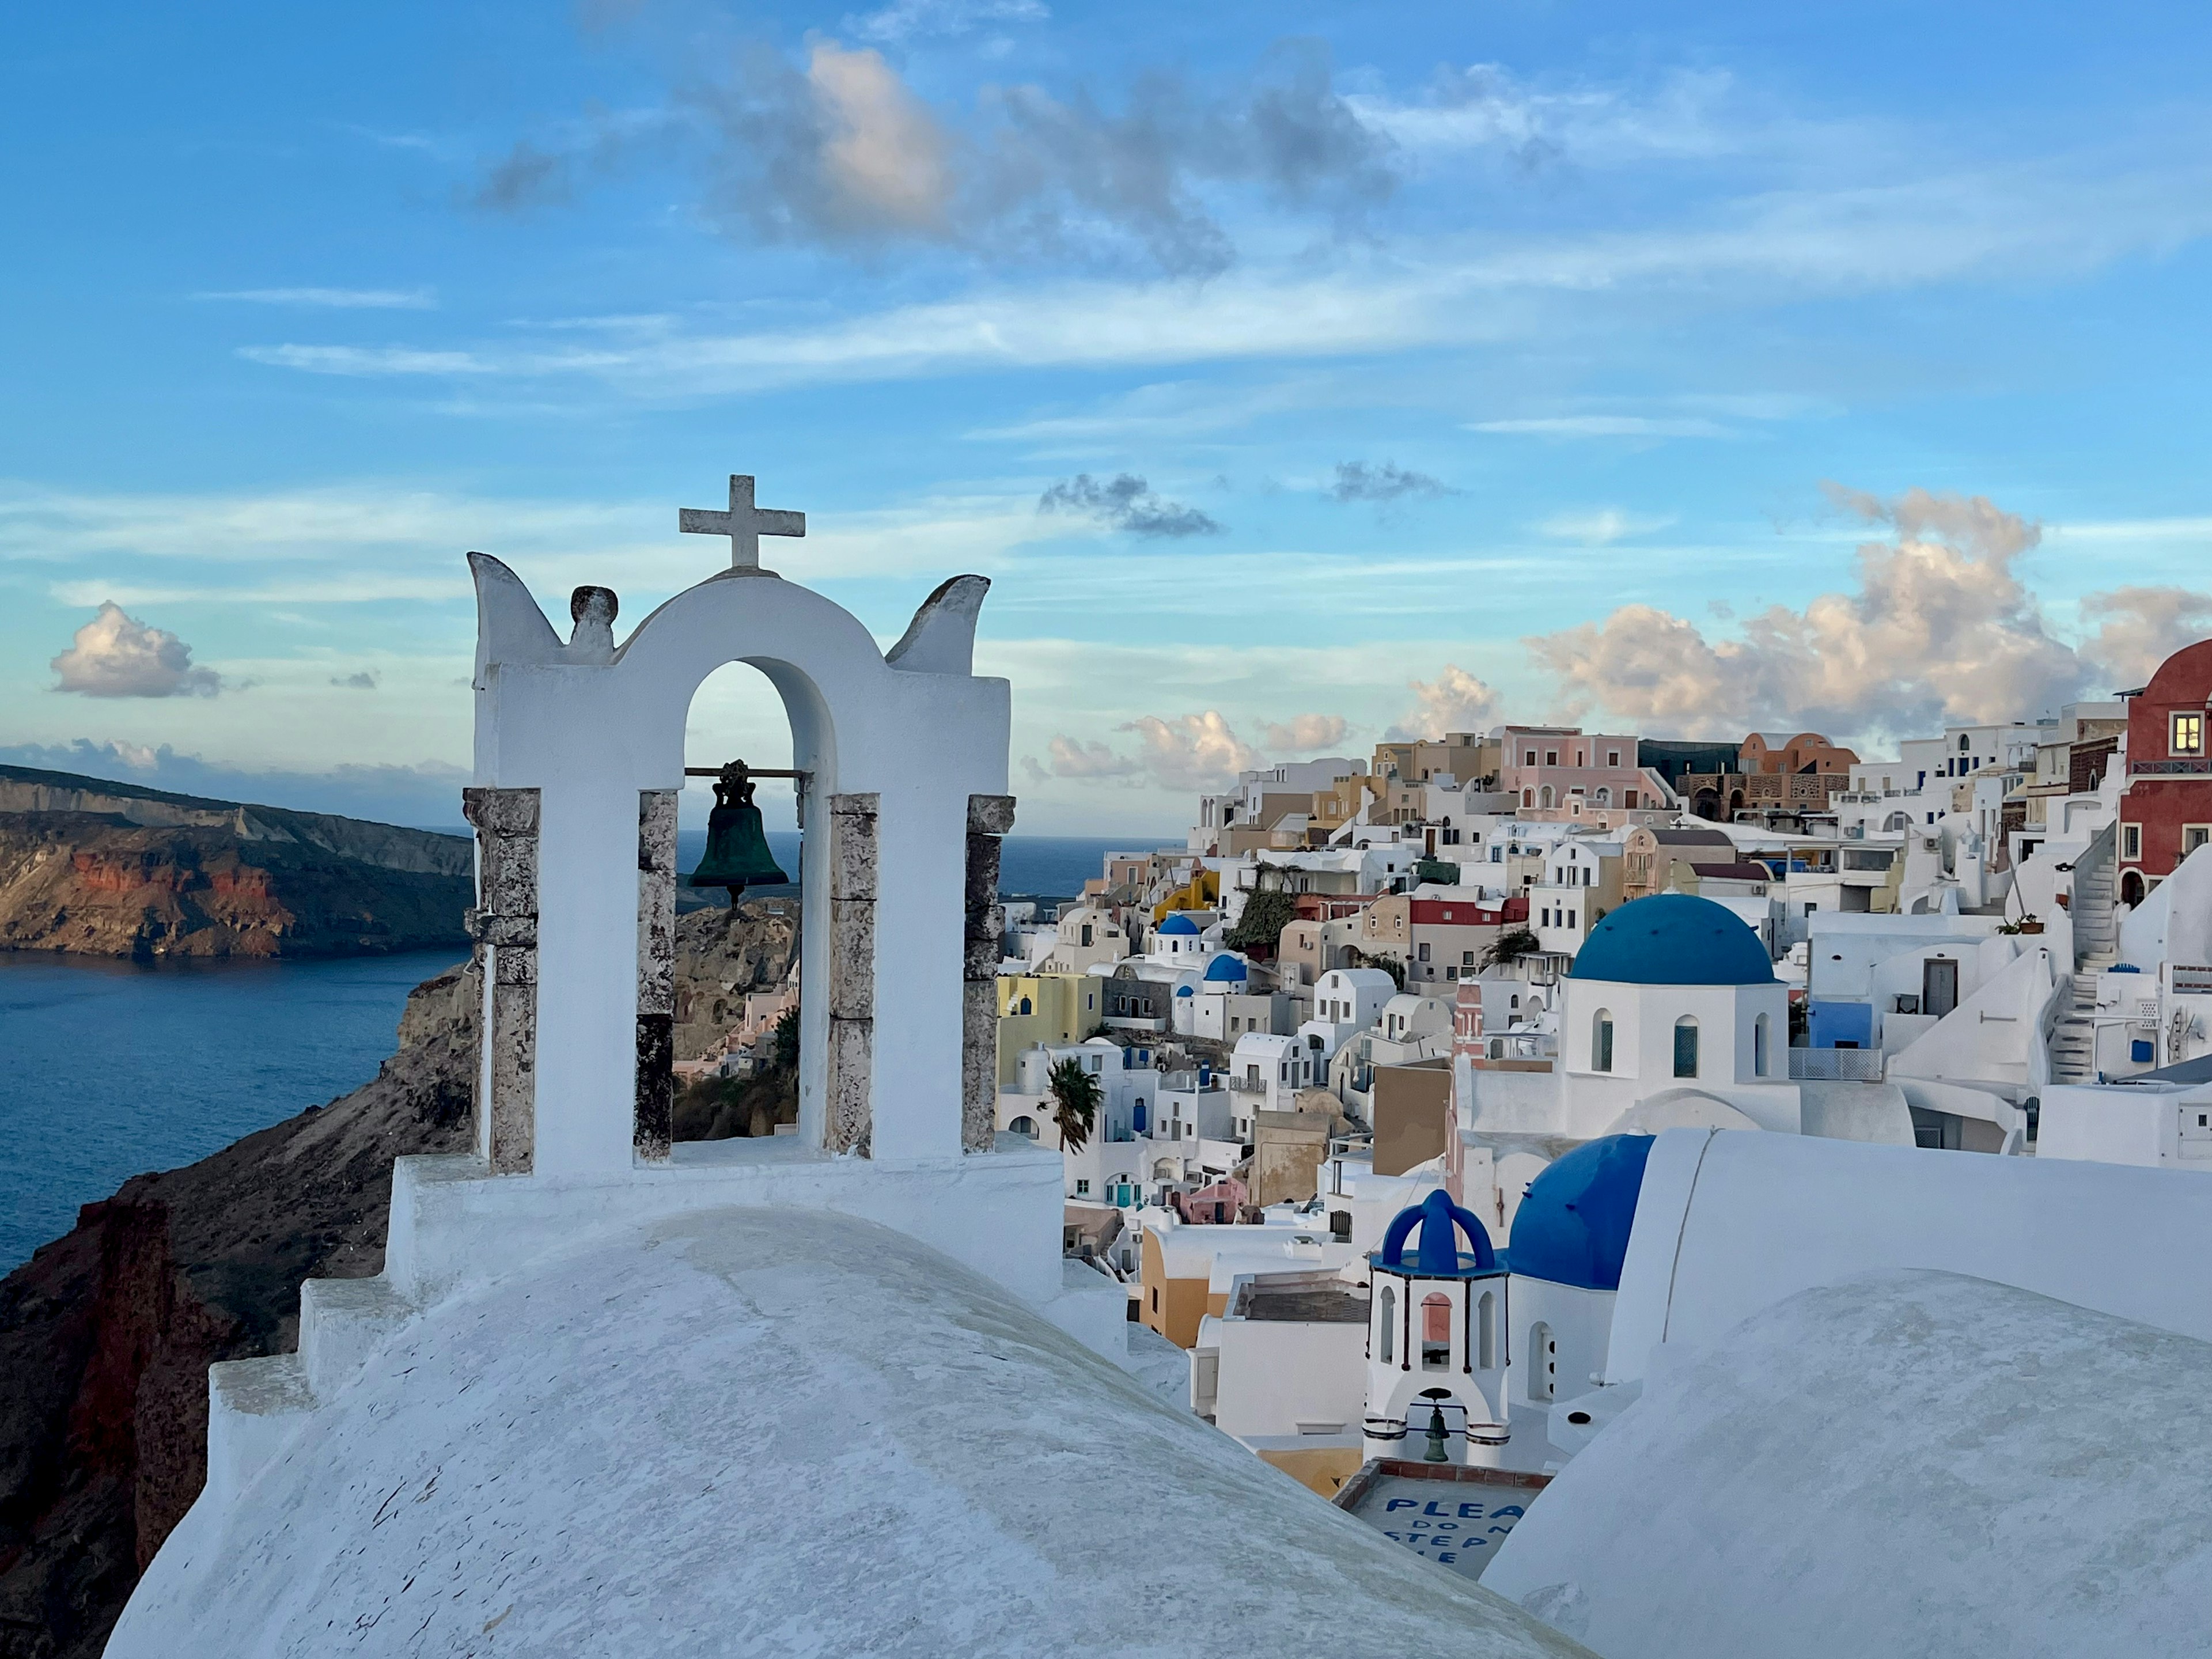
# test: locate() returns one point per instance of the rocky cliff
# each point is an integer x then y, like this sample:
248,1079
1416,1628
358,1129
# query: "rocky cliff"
107,870
106,1334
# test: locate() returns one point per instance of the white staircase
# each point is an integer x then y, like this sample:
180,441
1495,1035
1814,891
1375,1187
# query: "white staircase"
2095,914
2096,909
2074,1037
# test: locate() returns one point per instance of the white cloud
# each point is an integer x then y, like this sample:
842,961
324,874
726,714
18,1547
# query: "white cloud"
334,299
906,20
116,655
1608,426
1305,732
1602,526
1194,751
1456,700
1940,628
2139,628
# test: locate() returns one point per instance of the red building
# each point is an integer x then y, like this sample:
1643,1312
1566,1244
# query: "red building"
2165,812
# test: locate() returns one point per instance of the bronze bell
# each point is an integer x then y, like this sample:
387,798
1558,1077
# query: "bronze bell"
736,844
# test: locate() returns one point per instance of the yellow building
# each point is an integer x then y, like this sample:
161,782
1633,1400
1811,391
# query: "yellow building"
1048,1008
1201,893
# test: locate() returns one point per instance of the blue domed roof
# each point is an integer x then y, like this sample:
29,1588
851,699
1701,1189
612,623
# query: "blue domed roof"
1178,923
1183,990
1227,968
1674,938
1437,1254
1572,1227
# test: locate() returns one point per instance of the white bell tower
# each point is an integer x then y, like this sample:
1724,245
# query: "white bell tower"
1437,1339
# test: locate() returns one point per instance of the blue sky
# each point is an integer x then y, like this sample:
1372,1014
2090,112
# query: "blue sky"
1504,361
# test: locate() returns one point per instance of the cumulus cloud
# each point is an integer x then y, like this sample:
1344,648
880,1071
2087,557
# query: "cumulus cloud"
116,655
1305,732
1182,753
1127,504
1194,751
363,681
1356,481
2139,628
1456,700
842,152
1938,627
1071,757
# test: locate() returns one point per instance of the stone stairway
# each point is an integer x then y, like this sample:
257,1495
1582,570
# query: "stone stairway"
2074,1037
2095,909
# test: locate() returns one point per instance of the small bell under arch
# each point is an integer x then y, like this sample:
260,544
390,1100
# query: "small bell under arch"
737,855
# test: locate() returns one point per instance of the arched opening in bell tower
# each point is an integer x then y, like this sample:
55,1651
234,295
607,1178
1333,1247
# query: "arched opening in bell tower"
740,914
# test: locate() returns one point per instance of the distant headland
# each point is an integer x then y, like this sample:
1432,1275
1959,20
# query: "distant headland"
97,868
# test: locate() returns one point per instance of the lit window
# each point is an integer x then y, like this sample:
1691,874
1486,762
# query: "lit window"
2188,733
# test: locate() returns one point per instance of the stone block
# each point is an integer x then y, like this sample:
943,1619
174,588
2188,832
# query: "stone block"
980,963
517,965
509,933
514,1103
502,812
979,1065
510,878
847,1116
862,805
853,858
990,815
852,959
981,891
656,1085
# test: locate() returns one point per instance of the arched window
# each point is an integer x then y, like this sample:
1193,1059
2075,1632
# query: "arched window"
1543,1363
1601,1041
1604,796
1528,798
1544,796
1436,1332
1387,1321
1486,1333
1140,1119
1686,1047
1761,1035
1025,1125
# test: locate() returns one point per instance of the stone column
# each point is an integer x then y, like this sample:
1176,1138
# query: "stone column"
989,816
848,1117
505,927
656,973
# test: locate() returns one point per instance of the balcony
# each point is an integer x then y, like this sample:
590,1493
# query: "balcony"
1836,1065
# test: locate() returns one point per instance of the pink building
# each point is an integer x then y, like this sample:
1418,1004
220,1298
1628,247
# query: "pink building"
1561,765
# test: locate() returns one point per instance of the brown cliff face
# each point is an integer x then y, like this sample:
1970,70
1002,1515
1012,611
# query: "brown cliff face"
106,1334
99,885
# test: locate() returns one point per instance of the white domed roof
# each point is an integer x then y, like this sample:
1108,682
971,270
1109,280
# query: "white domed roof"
773,1431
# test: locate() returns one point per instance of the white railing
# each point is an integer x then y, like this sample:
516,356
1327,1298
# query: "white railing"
1835,1064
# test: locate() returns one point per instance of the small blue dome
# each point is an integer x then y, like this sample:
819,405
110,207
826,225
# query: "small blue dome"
1178,923
1227,968
1674,938
1182,990
1572,1227
1437,1255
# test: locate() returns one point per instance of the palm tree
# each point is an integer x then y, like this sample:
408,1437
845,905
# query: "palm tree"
1075,1096
1508,946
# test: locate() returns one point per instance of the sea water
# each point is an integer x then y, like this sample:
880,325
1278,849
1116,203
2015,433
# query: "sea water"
108,1069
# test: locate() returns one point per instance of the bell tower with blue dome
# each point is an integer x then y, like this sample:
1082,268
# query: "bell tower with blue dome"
1436,1326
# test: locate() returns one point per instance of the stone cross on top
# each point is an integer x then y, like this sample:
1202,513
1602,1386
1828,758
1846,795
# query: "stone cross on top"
743,524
